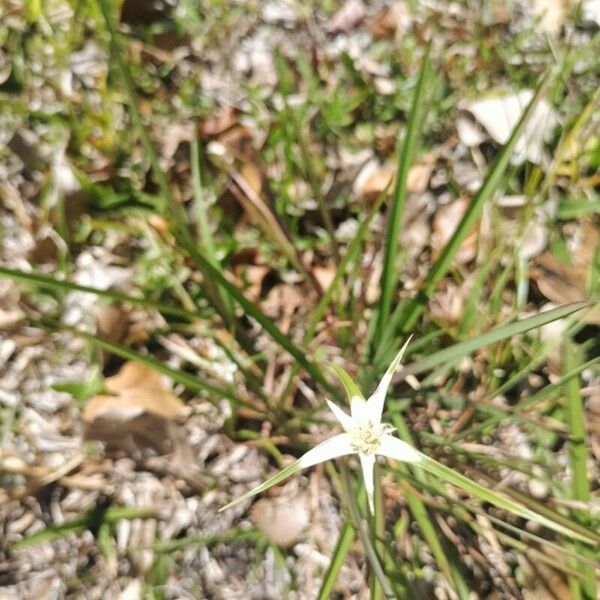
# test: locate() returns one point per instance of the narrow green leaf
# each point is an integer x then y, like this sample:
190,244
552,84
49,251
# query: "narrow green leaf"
419,511
230,535
350,255
94,518
580,485
457,352
265,322
487,495
407,151
350,386
201,205
489,187
49,282
326,299
337,561
372,557
265,485
545,394
190,381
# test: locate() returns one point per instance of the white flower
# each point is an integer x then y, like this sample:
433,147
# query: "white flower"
364,434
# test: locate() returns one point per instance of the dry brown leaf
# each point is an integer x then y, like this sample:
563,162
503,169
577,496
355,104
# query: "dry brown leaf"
562,283
112,321
391,21
223,119
282,519
10,318
374,178
253,277
347,17
557,281
376,182
139,410
325,275
447,303
551,13
420,173
281,304
542,582
174,135
445,222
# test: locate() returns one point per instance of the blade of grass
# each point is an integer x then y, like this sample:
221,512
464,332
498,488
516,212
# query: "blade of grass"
49,282
407,151
440,500
326,299
176,212
188,380
337,561
419,512
266,323
453,354
204,232
580,485
489,187
349,384
485,494
231,535
377,529
206,237
538,507
547,393
94,518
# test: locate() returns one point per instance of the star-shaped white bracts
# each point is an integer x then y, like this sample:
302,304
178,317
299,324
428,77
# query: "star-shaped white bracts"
364,434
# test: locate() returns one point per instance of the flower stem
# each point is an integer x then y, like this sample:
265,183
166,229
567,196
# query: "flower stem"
372,557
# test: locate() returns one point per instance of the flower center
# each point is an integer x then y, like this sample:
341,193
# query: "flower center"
365,438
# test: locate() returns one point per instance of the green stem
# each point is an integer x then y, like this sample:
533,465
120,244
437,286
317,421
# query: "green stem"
364,536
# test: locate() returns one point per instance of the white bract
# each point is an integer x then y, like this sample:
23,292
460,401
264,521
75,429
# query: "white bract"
364,434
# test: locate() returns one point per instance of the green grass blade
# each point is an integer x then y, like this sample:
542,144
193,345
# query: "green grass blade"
545,394
580,485
118,53
337,561
48,282
485,494
265,322
407,152
188,380
265,485
421,516
350,255
457,352
204,231
327,297
489,187
94,518
177,214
